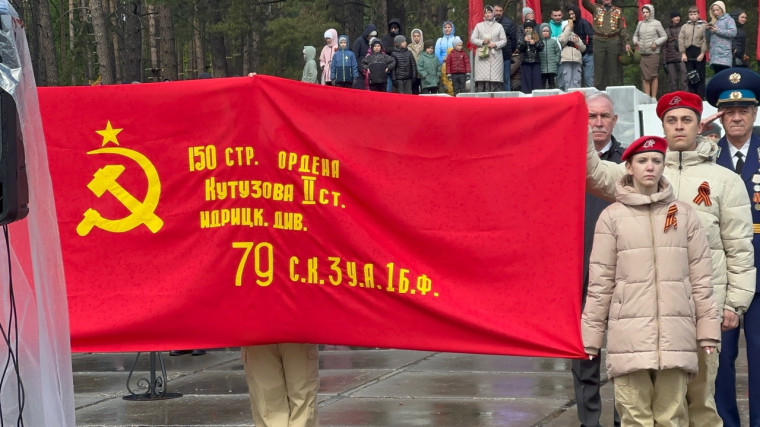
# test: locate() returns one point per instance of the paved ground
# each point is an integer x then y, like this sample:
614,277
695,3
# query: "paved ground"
359,387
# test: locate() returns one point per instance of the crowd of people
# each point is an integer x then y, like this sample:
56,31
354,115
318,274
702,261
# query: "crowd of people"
566,52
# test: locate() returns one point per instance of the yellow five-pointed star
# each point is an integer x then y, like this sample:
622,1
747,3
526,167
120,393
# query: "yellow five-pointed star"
109,134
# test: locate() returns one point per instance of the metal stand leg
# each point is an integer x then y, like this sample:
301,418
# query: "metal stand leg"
155,387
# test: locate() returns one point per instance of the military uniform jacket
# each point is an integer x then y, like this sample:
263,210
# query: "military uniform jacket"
607,22
750,170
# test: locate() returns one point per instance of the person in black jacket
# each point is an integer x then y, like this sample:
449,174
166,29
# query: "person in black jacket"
739,42
510,30
389,43
361,48
529,46
585,31
675,68
405,71
586,373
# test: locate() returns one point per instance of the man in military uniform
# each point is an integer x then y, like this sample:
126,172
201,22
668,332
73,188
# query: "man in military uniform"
610,35
735,93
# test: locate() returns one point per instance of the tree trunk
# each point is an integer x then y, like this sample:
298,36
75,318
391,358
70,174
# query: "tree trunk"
168,43
71,42
102,43
117,38
246,54
132,65
155,69
216,42
31,20
200,54
397,9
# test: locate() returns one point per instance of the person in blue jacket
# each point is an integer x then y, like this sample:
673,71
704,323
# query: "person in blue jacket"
445,42
343,67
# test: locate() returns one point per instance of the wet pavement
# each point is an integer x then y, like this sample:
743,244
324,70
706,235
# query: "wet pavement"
359,387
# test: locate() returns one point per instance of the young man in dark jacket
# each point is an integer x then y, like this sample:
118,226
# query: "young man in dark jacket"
405,71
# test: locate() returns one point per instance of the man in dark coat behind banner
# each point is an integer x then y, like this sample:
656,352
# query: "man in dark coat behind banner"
586,373
510,30
735,93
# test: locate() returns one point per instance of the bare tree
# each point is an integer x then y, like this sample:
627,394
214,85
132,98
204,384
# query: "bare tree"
152,43
216,41
168,43
102,43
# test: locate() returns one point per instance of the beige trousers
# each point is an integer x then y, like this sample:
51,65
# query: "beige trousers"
283,380
701,393
651,398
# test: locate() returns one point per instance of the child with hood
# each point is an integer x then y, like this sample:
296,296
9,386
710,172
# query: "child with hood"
376,66
429,69
325,57
550,57
416,47
445,42
310,74
343,68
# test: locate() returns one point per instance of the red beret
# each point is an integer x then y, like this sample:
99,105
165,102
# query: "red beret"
645,144
679,99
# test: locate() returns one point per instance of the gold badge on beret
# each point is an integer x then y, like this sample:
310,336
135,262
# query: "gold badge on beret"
734,78
735,95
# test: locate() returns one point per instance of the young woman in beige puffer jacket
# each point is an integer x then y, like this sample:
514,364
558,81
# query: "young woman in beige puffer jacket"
649,283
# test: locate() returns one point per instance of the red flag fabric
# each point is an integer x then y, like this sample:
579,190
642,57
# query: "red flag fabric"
702,10
585,13
475,16
641,4
536,6
238,211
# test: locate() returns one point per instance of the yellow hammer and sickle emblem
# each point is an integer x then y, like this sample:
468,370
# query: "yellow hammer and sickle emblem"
141,212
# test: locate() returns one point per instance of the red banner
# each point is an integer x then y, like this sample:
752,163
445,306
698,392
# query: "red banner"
475,16
227,212
641,4
536,6
703,10
585,13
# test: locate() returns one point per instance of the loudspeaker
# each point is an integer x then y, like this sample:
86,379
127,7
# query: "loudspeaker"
14,188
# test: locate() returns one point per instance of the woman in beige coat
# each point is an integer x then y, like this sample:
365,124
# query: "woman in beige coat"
649,283
648,38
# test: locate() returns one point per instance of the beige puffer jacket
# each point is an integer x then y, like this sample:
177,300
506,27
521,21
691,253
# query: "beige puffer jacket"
570,53
727,221
647,32
653,285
